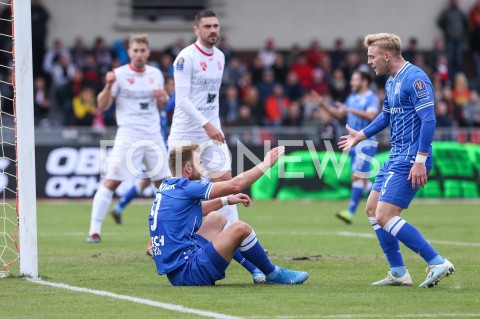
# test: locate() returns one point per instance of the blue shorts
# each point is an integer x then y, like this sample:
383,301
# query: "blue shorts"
202,269
393,184
361,164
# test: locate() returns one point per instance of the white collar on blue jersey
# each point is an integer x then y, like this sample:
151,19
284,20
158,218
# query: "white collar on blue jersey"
401,69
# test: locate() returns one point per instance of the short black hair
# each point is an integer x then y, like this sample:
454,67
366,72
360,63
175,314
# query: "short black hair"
203,14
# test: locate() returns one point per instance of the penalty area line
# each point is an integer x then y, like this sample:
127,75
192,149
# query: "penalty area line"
147,302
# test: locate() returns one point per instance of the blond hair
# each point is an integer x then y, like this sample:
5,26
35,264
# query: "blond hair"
387,41
186,156
138,38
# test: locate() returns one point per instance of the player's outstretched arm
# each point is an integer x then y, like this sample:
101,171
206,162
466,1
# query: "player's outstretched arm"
352,139
246,179
337,112
209,206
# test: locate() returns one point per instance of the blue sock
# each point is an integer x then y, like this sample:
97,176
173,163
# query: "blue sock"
127,198
356,196
254,252
437,260
411,238
391,248
244,262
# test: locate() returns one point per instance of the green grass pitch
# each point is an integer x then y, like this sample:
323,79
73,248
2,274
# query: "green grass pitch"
342,261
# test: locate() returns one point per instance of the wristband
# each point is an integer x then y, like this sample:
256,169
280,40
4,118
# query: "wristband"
421,158
224,200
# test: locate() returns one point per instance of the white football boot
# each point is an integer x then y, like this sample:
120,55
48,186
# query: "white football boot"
435,273
391,280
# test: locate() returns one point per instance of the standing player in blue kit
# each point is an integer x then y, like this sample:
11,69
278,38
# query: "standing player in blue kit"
408,109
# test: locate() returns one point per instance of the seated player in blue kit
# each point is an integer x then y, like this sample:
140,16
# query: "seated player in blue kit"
196,252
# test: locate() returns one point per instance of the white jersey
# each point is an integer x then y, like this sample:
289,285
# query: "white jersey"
200,70
136,107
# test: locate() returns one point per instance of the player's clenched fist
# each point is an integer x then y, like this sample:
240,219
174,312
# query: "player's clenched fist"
160,95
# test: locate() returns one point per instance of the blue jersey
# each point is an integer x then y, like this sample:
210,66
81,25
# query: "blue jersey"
175,216
366,102
163,116
409,100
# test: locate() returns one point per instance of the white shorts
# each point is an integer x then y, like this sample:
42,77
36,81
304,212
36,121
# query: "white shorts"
215,158
137,156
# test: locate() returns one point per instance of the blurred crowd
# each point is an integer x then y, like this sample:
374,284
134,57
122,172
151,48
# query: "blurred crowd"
266,87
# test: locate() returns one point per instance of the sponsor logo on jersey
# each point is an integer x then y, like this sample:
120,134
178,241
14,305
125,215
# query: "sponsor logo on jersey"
180,63
131,80
396,110
219,64
211,97
203,65
420,89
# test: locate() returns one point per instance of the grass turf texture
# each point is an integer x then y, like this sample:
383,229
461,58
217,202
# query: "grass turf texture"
342,261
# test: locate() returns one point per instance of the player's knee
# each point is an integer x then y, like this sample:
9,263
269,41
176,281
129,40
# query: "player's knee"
370,210
382,219
241,229
216,218
111,184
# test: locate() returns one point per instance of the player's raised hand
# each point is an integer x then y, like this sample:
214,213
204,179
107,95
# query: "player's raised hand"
110,78
214,133
418,175
353,138
239,198
273,155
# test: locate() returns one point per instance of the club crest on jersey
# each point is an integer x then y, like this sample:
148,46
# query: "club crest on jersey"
131,80
180,63
203,65
151,80
420,89
397,88
219,64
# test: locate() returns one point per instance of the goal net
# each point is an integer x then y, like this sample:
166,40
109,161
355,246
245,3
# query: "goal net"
17,174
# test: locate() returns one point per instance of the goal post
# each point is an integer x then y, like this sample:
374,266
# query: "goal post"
24,131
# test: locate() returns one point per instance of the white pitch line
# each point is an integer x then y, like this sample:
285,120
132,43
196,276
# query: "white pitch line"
353,316
292,233
351,234
445,242
148,302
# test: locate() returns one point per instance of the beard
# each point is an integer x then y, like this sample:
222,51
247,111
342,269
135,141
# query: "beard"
211,39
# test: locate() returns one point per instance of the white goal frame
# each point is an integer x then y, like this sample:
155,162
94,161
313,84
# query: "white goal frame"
25,142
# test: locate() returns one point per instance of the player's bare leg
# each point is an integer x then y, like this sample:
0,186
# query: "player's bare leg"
101,202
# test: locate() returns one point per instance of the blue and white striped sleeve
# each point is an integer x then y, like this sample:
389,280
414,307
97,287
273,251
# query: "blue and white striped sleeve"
422,97
380,122
199,189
